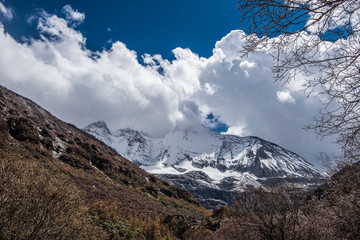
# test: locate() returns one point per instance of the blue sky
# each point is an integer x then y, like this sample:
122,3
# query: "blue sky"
152,66
155,27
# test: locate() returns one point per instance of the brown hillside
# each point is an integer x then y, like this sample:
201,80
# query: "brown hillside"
110,187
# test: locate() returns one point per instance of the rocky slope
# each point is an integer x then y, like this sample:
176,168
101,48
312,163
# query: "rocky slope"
213,166
117,192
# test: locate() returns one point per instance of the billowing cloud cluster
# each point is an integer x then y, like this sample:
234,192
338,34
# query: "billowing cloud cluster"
81,86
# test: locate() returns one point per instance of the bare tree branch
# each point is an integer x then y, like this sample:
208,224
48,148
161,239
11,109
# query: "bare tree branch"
318,41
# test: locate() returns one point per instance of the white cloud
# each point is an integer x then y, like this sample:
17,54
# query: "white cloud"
285,96
6,12
80,86
236,130
73,15
246,64
211,88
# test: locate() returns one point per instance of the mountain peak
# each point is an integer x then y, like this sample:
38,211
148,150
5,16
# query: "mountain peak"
98,125
228,160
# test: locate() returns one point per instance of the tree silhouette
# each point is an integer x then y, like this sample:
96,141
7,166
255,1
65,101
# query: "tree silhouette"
315,42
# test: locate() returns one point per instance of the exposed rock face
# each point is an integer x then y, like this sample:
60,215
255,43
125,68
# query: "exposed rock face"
201,185
213,166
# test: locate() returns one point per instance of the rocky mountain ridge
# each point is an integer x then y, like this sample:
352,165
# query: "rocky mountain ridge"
214,167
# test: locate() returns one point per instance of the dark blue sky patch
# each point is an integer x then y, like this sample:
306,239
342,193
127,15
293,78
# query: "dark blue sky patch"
154,27
214,124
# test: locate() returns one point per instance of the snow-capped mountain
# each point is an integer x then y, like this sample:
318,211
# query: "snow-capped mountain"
213,166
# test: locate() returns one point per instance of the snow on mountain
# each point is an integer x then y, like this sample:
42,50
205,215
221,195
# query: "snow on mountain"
209,163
